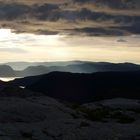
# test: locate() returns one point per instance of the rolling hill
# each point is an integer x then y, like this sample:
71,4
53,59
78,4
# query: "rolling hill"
84,87
6,71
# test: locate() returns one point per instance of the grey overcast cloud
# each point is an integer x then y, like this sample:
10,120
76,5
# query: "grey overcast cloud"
74,17
51,30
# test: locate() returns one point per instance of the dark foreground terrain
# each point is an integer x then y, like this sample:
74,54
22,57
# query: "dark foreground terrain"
100,106
44,118
84,88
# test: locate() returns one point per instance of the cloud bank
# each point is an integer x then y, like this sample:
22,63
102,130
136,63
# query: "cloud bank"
72,17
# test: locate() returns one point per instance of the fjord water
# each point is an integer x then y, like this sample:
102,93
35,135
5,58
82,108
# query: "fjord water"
7,79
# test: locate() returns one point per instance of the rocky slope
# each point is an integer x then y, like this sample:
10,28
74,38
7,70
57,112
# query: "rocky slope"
44,118
83,88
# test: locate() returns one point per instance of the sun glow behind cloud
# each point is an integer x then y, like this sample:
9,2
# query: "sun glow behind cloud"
31,47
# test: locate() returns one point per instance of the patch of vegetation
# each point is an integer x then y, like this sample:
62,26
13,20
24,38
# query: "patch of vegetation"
137,110
84,124
74,115
103,113
51,135
122,118
74,106
95,115
126,119
26,134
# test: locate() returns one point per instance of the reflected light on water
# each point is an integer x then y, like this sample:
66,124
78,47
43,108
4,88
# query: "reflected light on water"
7,79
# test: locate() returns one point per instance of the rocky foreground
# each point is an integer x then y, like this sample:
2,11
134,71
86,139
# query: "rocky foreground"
44,118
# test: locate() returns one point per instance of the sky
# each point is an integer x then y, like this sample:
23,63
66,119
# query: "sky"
56,30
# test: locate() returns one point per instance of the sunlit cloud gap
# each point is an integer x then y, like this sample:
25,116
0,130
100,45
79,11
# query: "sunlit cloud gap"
32,47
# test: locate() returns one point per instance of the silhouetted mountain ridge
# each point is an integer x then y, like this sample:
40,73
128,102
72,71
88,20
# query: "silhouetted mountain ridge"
6,71
23,65
84,87
76,67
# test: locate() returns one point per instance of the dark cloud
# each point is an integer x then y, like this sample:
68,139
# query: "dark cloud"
12,11
46,32
18,11
98,31
46,12
133,28
115,4
54,18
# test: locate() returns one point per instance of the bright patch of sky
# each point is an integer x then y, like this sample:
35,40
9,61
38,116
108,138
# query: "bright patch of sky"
31,47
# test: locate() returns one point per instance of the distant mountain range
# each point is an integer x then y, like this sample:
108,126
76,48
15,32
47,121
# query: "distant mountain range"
84,87
71,66
6,71
24,65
